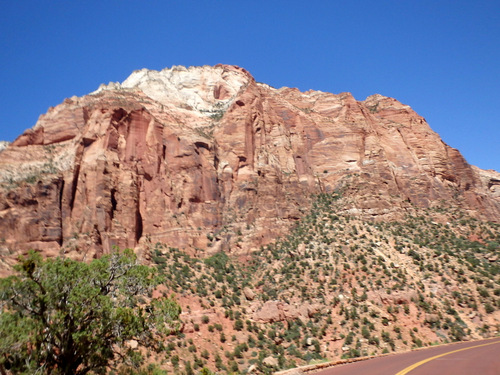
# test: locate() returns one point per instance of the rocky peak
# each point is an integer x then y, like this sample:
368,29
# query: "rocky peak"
3,145
201,88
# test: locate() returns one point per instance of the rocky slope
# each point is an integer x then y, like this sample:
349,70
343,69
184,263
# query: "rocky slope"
337,286
190,157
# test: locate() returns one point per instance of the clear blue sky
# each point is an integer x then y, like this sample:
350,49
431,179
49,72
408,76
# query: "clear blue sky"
440,57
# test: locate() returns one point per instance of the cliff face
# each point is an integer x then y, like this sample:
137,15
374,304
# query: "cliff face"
207,159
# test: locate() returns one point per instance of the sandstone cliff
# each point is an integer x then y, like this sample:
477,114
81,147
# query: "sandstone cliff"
207,159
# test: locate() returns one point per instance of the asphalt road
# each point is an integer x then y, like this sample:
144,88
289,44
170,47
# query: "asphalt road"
477,358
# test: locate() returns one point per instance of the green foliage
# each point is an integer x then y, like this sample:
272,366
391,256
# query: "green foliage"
238,325
206,371
60,316
151,369
489,308
175,360
349,339
217,115
218,261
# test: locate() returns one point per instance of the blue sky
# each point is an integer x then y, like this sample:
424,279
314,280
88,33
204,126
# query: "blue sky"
440,57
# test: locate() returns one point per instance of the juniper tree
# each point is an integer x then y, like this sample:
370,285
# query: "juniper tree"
61,316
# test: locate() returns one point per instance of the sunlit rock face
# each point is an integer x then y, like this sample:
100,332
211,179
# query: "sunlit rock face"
3,145
207,159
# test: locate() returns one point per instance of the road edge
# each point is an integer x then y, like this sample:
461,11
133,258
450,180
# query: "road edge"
324,365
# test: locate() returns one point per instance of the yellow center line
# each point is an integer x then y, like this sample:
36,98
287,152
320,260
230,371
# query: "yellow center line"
415,365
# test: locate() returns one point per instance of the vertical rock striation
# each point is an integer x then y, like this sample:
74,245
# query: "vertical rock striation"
207,159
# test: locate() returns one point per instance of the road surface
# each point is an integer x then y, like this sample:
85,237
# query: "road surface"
477,358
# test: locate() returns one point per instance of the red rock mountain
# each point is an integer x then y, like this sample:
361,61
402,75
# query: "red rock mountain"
207,159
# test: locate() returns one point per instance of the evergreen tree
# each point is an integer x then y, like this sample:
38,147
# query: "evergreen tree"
61,316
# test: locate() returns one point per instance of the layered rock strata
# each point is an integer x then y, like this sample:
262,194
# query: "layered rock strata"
207,159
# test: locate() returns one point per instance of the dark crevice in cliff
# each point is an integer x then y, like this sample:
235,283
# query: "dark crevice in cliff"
216,162
117,116
158,164
98,237
202,145
60,185
61,190
493,182
138,216
114,203
86,142
138,225
74,184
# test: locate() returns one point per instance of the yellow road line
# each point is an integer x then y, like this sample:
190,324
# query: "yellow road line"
415,365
